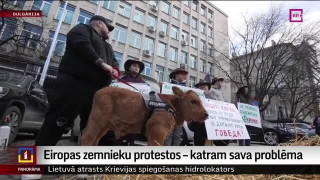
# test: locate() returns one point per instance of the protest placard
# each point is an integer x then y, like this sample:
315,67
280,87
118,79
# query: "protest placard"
143,88
224,121
167,89
250,115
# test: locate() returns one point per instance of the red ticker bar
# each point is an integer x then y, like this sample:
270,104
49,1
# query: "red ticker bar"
21,169
17,14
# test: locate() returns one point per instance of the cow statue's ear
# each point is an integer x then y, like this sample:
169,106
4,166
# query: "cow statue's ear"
177,91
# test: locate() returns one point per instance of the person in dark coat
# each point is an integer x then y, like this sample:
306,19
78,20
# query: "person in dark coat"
242,96
316,124
133,70
88,65
199,129
178,76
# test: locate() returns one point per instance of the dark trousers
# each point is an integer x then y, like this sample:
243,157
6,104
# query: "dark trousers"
70,98
246,142
200,133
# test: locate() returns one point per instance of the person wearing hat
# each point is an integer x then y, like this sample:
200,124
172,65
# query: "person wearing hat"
178,76
216,92
88,65
199,129
133,70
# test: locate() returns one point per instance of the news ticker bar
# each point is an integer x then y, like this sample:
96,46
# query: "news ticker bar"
159,169
192,155
18,14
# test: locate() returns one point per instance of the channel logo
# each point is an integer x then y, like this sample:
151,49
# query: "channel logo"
25,155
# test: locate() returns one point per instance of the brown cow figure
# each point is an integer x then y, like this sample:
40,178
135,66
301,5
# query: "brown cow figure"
124,111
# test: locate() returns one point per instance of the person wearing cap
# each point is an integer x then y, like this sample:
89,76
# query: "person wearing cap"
216,91
178,76
199,129
133,70
88,65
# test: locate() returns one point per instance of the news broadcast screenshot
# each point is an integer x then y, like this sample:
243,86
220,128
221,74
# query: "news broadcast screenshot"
159,89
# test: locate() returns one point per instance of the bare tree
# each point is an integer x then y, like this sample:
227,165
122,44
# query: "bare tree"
258,65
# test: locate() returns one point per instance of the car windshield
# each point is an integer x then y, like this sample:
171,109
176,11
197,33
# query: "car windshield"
303,126
11,79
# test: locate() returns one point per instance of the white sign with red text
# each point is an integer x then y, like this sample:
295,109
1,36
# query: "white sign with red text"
224,121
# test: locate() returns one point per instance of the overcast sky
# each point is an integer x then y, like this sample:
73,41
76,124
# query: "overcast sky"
235,9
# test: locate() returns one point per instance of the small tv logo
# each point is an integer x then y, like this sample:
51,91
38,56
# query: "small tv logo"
296,15
25,155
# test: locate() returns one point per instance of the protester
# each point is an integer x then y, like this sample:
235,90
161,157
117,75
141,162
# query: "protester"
179,77
199,129
316,124
133,69
242,96
216,93
87,66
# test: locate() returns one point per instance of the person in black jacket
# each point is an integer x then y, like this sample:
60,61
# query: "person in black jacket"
87,66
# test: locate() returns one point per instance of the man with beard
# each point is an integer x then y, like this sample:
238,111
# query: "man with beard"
87,66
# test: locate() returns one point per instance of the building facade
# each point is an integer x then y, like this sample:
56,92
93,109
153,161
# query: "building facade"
163,34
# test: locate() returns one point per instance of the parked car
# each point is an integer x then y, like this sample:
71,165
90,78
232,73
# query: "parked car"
275,132
306,128
23,103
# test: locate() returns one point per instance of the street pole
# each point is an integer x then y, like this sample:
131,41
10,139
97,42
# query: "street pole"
53,45
99,6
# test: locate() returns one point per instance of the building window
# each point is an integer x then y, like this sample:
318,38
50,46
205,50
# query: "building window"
8,29
30,35
163,26
185,35
203,11
184,57
210,14
148,44
187,3
94,1
17,3
125,9
203,44
44,6
159,73
185,18
193,61
194,40
162,49
176,12
84,17
138,16
210,32
192,81
153,3
194,23
60,45
210,49
147,68
203,27
131,57
135,40
210,68
202,65
194,6
120,34
151,21
68,15
110,5
119,57
165,7
173,54
174,32
169,72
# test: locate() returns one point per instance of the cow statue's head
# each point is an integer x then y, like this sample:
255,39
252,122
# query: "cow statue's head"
190,105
